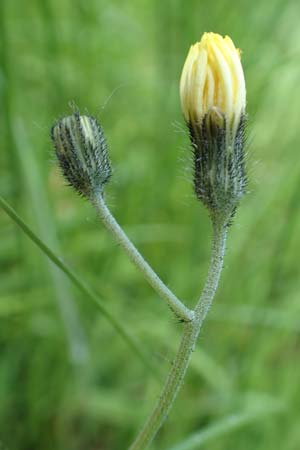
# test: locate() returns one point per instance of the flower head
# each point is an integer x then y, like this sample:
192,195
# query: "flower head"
213,100
82,154
213,77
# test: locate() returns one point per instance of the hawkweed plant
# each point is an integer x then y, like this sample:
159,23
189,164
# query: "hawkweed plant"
213,101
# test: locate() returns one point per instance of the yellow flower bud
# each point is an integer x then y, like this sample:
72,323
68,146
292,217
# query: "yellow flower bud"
212,77
213,100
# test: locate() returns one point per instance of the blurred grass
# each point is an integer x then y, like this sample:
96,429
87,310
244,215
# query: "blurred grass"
78,354
121,61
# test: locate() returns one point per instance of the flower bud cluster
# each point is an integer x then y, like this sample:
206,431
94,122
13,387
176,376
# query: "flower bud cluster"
213,100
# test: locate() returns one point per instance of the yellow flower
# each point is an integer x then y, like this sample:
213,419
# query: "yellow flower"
213,78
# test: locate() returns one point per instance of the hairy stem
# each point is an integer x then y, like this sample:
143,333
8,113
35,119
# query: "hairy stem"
188,341
181,311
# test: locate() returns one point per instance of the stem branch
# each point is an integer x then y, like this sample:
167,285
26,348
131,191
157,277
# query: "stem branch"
180,310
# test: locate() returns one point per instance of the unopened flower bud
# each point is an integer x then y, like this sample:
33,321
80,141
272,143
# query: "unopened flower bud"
213,100
82,154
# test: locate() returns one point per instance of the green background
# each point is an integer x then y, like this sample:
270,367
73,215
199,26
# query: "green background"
67,380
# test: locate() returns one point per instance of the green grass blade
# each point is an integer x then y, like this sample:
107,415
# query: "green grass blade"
226,425
80,284
43,217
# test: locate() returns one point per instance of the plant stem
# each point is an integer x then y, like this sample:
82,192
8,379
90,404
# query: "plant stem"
188,341
179,309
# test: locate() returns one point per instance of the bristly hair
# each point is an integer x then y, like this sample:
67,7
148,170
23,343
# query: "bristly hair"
219,164
81,150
